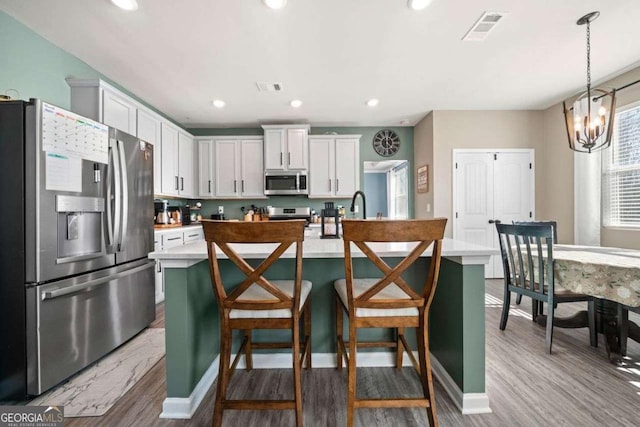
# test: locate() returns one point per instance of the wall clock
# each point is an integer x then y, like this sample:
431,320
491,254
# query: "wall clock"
386,142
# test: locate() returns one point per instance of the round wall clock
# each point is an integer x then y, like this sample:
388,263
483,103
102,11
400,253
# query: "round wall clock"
386,142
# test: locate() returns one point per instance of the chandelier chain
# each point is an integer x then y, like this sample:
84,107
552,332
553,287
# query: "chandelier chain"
588,55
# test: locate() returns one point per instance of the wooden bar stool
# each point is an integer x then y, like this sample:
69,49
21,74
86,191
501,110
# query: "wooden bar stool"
388,302
259,303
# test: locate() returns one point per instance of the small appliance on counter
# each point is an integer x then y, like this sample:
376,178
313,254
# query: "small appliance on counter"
330,219
185,213
161,215
276,214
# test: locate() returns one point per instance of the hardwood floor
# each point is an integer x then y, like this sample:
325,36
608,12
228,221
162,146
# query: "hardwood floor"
575,385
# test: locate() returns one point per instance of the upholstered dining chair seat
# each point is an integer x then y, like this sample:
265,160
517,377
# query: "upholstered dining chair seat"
258,293
390,292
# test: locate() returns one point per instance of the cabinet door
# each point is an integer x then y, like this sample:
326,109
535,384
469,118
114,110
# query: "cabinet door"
297,155
169,143
227,168
321,167
347,161
274,149
149,131
186,165
205,168
252,182
118,112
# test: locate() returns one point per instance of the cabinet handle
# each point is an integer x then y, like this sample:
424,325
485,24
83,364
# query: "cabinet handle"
242,185
289,158
337,185
281,158
209,186
175,238
329,184
192,235
235,189
158,266
176,182
181,183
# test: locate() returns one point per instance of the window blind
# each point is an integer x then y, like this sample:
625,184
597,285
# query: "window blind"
621,172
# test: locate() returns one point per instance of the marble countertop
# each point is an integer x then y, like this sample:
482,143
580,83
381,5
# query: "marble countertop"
314,247
181,228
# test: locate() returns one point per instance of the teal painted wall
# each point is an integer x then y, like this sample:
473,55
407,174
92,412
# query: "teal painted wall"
37,68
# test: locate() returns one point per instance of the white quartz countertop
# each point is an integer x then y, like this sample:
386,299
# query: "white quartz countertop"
314,247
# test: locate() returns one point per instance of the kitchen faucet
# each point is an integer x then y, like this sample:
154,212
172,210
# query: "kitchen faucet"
364,203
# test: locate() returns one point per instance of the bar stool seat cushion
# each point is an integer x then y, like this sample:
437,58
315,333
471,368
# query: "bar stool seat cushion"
257,292
390,292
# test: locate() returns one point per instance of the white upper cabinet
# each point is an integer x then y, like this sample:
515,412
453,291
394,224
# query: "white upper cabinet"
206,168
286,147
185,165
334,168
170,164
239,168
149,130
118,112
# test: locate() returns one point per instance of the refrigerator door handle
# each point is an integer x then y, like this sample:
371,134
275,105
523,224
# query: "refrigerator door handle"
118,194
92,283
108,209
125,196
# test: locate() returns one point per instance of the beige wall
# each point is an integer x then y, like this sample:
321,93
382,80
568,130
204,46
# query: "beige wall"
423,155
478,129
557,202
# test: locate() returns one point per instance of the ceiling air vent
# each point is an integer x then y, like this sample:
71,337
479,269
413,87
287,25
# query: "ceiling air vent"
483,26
269,87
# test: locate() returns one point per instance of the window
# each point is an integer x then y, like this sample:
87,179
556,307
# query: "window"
398,192
621,171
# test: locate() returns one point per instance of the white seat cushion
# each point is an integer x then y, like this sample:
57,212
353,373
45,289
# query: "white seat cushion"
392,291
257,292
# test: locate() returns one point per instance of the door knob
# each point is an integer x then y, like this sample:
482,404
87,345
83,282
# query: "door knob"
492,221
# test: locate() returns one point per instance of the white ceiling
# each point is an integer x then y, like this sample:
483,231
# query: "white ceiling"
335,54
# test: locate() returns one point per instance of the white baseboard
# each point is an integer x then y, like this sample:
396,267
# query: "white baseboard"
184,407
467,403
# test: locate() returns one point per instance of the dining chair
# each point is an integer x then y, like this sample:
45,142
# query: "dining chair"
388,302
259,303
553,224
527,259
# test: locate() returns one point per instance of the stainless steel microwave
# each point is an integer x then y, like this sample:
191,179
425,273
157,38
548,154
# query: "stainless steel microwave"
286,183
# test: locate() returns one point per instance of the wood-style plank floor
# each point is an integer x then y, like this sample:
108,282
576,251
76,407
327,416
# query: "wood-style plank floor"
575,386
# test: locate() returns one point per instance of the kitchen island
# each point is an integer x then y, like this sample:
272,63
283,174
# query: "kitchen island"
457,335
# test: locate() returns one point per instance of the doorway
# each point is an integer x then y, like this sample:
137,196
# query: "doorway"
490,186
386,185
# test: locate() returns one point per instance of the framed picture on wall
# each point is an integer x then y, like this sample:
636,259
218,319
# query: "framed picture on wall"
422,178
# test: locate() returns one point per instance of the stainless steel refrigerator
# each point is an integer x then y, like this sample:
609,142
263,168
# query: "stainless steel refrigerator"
75,280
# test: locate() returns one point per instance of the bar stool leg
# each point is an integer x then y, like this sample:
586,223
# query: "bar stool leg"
307,333
351,398
223,373
399,348
425,370
297,382
339,326
248,350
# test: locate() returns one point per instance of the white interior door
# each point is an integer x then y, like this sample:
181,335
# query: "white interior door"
491,186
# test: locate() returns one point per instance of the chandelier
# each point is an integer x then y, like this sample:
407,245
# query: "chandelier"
589,118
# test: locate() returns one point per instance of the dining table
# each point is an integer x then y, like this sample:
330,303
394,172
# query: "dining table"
612,276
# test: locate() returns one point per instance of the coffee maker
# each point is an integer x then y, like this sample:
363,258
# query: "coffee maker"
162,216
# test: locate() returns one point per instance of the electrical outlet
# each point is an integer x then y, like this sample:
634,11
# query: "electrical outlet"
356,209
221,210
428,207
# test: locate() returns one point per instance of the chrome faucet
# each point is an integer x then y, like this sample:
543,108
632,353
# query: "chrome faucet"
364,203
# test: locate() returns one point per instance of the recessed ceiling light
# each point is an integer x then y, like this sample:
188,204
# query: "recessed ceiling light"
126,4
418,4
275,4
372,102
296,103
218,103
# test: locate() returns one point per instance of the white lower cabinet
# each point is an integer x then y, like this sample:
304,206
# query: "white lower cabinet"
165,239
334,165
